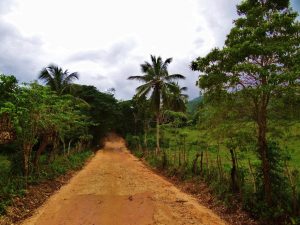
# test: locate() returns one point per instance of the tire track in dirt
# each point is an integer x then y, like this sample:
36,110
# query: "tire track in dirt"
115,188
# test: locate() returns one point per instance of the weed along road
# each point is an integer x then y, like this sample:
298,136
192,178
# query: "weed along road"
115,188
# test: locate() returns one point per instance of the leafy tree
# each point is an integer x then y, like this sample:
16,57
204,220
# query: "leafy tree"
8,85
36,113
143,116
103,110
58,79
129,125
26,113
260,59
159,83
63,120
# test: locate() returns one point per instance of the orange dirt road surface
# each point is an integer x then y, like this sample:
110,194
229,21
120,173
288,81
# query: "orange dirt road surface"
115,188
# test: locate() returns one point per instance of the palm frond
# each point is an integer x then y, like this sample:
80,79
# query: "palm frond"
44,75
166,63
56,78
70,77
173,77
139,78
172,87
145,67
144,89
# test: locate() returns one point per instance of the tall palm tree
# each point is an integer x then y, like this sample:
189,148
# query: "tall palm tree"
58,79
159,83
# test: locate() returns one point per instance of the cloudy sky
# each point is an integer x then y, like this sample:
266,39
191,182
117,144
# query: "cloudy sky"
106,40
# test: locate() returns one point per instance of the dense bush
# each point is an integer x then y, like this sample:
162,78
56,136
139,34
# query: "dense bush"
12,183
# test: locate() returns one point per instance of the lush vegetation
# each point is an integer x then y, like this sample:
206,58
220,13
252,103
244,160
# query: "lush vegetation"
48,130
242,135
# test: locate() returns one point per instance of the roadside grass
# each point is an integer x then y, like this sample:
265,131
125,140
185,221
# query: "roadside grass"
193,135
217,164
12,185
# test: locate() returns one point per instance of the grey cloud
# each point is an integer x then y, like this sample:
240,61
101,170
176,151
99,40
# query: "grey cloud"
20,55
182,66
111,56
219,16
199,42
125,89
116,76
6,6
117,79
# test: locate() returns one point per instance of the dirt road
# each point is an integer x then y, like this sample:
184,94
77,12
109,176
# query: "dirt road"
115,188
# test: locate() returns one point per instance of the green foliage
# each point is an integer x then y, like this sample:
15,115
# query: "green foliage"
104,110
193,105
165,93
61,165
8,85
132,124
157,80
36,110
254,78
177,119
12,185
218,173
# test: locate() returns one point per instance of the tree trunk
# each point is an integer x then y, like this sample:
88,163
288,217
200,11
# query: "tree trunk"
207,161
145,138
26,156
179,157
184,151
253,176
64,145
69,147
42,147
157,134
201,162
219,163
195,164
51,156
263,151
233,172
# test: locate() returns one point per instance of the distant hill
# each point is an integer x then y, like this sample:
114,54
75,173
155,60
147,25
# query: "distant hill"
192,105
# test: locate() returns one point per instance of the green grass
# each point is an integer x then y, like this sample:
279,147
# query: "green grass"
193,135
220,181
171,143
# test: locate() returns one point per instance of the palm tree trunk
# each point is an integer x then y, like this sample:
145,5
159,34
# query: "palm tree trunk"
157,134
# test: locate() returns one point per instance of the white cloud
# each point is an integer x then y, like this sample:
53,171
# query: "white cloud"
107,40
